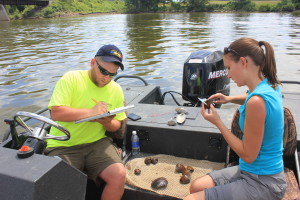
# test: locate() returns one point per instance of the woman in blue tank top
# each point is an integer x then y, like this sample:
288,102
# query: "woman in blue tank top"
259,174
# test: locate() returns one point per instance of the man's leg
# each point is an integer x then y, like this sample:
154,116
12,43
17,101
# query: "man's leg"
104,162
72,155
114,176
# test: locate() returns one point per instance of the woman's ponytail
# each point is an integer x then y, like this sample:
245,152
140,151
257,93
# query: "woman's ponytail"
268,66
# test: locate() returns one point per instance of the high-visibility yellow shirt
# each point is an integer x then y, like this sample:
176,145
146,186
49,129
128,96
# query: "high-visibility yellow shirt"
76,90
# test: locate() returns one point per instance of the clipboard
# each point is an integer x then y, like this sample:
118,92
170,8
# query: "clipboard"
109,113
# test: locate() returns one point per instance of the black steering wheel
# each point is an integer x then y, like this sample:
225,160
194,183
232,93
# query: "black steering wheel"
40,133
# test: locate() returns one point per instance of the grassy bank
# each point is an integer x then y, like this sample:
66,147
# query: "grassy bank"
65,8
271,2
59,7
75,7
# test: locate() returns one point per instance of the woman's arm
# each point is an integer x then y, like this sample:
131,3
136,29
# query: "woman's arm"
220,98
248,148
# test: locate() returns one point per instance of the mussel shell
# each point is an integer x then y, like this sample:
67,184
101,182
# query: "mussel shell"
147,160
171,122
181,110
186,172
179,168
189,168
184,179
137,171
208,102
159,183
154,161
180,118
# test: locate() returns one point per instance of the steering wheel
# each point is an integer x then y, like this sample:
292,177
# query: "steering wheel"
40,133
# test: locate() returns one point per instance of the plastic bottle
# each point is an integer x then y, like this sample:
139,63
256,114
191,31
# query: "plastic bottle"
135,143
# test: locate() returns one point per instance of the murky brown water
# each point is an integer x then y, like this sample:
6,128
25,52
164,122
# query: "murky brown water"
35,53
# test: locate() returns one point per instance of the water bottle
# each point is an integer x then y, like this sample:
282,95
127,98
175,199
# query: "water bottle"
135,143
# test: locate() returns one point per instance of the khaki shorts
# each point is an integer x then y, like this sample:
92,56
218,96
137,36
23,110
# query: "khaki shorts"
234,184
90,158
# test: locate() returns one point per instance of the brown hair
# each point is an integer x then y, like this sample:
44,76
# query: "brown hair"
253,49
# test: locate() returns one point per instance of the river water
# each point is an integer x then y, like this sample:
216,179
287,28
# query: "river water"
35,53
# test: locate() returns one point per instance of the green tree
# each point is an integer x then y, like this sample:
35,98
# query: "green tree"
197,5
285,6
142,5
242,5
297,4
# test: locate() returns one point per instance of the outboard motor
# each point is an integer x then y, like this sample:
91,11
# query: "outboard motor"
204,74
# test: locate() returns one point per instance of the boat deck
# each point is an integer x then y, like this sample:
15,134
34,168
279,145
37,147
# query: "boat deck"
145,101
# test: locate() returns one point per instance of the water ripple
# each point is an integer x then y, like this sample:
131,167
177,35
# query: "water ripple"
34,54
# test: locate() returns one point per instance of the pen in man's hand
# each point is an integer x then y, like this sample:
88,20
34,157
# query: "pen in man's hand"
95,100
98,102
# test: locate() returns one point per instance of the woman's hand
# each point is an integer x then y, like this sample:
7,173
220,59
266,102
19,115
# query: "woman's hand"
211,114
219,98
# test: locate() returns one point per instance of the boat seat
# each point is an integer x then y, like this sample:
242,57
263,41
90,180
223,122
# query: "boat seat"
289,151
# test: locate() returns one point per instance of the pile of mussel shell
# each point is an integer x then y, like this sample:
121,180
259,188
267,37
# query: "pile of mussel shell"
149,160
179,118
186,173
158,183
162,182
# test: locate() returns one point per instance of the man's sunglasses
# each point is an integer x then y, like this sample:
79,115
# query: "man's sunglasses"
105,72
229,50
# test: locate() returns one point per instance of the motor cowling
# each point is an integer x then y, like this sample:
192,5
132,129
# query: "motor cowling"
204,74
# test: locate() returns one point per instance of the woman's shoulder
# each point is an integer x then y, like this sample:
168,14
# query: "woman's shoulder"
265,89
256,102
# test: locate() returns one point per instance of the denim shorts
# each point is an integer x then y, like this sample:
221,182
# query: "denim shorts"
234,184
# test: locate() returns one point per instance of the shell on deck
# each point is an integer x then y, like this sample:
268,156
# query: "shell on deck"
159,183
180,118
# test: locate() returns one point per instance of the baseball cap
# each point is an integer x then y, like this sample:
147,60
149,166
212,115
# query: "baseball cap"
111,53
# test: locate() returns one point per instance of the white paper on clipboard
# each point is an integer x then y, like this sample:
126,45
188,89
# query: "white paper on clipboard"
109,113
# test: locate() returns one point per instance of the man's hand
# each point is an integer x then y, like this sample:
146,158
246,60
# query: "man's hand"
100,108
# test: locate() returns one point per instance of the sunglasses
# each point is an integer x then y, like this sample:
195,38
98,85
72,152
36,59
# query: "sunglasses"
229,50
105,72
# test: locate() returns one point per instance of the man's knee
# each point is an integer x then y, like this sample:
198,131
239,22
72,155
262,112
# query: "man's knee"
115,173
120,174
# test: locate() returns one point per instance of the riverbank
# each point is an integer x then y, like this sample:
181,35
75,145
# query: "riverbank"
59,8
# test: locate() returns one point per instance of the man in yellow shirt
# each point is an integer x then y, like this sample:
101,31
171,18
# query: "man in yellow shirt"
84,93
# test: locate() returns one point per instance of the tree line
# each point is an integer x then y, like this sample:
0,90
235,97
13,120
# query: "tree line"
65,7
205,5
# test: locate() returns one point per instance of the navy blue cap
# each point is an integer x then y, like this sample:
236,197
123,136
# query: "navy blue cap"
111,53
